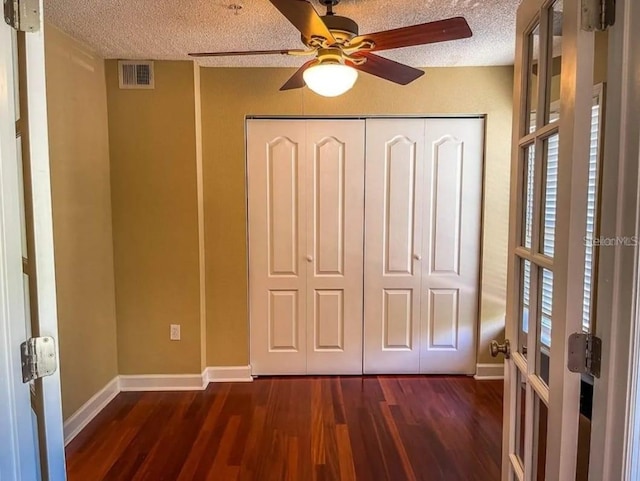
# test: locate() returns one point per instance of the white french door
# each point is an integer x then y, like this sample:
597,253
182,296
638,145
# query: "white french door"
548,221
32,446
422,245
306,198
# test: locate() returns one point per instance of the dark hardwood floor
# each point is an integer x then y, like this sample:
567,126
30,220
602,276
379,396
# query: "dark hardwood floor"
299,429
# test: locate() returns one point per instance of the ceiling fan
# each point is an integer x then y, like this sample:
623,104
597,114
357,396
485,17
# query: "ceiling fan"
339,51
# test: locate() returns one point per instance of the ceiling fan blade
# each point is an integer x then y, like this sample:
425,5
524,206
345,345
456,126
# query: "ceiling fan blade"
432,32
297,81
388,69
304,17
243,53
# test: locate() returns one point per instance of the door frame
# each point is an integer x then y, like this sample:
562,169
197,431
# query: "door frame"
364,117
43,239
615,439
16,455
11,335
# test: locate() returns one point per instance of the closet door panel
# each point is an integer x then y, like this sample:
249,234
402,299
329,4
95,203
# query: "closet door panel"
277,243
335,217
393,216
451,243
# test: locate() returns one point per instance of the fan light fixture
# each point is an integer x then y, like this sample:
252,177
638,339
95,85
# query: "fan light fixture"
330,79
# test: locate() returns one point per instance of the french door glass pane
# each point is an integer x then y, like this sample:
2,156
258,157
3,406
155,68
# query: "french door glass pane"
554,65
527,215
521,401
525,293
545,324
541,415
550,194
532,87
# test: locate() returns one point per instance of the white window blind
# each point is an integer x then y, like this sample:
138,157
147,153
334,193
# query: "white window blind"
549,234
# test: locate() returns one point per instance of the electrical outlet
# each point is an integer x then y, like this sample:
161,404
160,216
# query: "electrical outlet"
175,332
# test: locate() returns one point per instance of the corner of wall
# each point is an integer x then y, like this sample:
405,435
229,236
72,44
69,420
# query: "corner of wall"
82,223
201,231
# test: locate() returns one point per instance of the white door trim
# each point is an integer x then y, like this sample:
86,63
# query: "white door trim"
16,450
631,461
632,439
615,416
43,237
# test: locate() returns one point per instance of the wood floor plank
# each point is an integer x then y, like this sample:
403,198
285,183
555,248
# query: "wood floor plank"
399,445
198,450
220,469
388,428
347,470
293,459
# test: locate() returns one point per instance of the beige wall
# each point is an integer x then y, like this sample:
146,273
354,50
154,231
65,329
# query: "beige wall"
79,150
230,94
155,223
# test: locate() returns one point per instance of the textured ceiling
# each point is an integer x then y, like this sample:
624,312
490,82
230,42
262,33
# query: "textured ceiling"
168,29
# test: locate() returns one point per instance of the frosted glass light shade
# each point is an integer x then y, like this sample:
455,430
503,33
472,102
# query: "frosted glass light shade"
330,79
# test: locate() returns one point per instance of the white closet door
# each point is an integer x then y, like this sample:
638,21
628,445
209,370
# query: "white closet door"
451,245
277,246
335,218
393,226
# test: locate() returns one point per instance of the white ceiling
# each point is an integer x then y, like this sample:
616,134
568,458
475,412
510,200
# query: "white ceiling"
169,29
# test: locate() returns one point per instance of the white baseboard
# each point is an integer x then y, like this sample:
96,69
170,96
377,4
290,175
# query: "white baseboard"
162,382
89,410
489,372
185,382
227,374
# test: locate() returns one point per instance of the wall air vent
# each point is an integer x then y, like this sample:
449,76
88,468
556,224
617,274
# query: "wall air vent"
135,74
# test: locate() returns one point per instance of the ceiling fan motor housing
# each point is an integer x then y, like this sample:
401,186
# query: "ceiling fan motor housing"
341,24
342,28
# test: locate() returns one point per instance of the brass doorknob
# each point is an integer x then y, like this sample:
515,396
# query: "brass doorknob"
501,349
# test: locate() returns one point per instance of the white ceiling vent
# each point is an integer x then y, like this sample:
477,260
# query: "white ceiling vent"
135,74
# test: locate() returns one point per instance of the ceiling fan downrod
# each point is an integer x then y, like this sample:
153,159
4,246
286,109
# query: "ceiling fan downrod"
329,4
